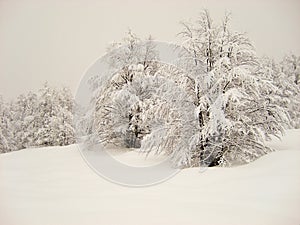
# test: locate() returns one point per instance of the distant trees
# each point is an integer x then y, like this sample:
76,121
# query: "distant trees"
290,68
54,117
24,121
287,89
7,139
42,119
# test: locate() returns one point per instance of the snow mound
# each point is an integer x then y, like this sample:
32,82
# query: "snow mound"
54,186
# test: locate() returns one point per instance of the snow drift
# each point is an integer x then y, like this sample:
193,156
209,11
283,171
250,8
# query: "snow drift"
54,186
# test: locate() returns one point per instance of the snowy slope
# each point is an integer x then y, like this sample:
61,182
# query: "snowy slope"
54,186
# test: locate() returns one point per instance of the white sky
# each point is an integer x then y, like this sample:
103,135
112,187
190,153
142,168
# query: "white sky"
56,40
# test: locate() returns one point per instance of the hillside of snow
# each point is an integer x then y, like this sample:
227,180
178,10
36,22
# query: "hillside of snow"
54,186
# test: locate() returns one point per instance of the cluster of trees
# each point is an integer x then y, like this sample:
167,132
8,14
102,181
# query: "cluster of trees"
216,107
285,76
42,119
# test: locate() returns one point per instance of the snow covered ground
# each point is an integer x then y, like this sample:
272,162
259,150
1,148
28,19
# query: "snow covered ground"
54,186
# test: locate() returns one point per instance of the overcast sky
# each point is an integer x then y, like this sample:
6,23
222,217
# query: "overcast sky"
56,40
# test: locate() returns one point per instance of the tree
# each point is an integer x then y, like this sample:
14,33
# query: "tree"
169,116
290,85
233,115
54,117
291,67
43,119
218,110
128,61
286,91
118,118
7,141
24,125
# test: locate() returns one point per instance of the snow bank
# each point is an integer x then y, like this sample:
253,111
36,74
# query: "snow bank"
54,186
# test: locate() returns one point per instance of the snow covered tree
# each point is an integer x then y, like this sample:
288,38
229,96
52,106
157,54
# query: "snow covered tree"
218,109
118,118
289,83
169,116
131,51
54,117
233,116
7,139
128,60
24,125
286,92
43,119
65,114
291,67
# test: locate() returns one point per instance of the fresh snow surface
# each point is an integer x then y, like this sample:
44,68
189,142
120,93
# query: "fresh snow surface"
54,186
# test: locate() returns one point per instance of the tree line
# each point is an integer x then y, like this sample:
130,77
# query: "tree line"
37,119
